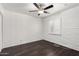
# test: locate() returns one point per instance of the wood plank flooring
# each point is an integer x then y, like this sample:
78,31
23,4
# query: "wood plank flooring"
39,48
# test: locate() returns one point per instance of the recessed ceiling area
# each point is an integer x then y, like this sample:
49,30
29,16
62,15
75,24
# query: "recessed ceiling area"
26,7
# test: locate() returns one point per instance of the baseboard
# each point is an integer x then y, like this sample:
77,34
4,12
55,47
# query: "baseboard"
42,41
63,45
22,44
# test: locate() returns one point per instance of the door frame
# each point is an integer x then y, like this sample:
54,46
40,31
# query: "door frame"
1,31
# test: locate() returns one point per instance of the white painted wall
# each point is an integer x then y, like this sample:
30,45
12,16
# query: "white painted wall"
70,27
20,29
69,30
47,34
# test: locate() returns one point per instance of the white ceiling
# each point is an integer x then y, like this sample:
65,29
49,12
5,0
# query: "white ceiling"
25,7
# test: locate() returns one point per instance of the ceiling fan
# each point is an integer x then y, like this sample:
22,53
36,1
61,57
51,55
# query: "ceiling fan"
41,9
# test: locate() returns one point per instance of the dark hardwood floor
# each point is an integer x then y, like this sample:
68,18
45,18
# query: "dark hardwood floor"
39,48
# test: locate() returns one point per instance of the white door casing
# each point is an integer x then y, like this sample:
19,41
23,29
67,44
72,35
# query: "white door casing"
1,30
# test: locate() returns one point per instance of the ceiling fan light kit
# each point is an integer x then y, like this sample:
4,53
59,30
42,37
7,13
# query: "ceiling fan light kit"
40,11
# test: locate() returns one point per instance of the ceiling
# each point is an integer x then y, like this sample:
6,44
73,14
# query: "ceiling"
25,7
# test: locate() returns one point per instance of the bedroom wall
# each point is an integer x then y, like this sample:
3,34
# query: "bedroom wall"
20,28
69,21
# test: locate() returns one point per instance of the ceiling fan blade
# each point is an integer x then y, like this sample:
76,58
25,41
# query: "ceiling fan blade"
33,11
46,12
36,5
48,7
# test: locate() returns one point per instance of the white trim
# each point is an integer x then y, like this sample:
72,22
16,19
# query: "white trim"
1,31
